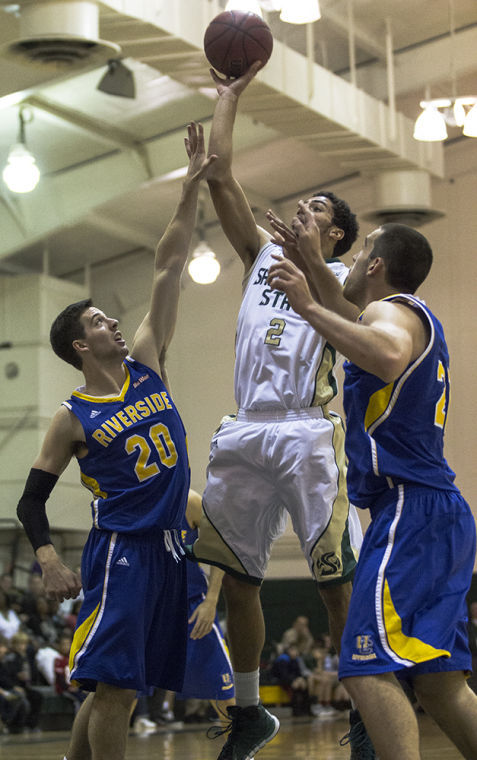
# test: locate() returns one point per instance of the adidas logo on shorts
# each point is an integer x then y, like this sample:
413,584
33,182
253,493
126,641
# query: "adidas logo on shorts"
123,561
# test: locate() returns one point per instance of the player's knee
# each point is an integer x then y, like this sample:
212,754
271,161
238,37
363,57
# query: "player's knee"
107,693
236,590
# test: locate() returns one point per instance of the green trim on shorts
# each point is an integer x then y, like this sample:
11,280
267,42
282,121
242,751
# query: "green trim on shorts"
348,578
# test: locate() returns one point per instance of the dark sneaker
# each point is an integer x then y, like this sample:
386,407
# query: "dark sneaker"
358,739
249,730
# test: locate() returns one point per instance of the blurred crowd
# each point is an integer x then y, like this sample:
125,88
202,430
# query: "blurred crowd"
306,667
35,639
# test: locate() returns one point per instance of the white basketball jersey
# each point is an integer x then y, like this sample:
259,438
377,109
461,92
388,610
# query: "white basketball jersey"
281,361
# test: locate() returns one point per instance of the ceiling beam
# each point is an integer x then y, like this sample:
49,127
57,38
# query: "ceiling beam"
425,65
75,193
366,41
292,94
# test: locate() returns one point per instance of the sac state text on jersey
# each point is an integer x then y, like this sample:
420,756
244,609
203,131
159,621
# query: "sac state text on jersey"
270,297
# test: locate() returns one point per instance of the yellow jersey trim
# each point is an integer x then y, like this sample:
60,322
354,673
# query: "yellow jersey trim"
107,399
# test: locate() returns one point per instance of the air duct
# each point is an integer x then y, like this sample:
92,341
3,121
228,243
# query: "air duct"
59,35
403,196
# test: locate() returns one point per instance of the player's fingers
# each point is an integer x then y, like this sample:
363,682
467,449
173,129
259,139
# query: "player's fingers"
256,66
277,238
216,78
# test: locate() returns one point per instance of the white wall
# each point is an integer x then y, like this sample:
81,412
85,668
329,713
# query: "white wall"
29,398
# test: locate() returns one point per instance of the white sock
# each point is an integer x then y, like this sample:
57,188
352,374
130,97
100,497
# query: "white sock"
247,688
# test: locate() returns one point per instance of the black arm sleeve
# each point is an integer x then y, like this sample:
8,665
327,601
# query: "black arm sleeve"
31,510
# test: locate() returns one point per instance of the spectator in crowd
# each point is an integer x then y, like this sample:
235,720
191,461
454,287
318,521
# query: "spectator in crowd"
299,634
13,594
327,694
43,623
34,590
18,666
63,683
9,620
6,582
292,675
13,705
45,657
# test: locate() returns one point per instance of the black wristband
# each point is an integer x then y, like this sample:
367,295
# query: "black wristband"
31,510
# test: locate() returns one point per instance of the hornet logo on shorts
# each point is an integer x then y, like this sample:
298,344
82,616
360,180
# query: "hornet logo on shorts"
328,564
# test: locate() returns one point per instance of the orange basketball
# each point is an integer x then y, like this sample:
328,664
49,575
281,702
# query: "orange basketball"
236,39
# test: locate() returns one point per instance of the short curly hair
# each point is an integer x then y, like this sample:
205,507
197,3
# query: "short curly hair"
343,218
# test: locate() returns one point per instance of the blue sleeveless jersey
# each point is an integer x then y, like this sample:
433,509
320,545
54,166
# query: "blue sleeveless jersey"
395,431
137,465
196,578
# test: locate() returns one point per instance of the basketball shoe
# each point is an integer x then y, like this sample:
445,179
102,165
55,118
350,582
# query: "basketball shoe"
358,739
249,730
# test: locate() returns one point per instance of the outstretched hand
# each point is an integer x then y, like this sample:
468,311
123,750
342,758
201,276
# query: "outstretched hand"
306,231
195,147
284,236
238,85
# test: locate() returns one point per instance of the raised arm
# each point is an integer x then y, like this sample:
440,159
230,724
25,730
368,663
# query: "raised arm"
155,332
63,436
384,342
230,203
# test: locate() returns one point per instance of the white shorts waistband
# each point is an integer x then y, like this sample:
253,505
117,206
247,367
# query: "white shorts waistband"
279,415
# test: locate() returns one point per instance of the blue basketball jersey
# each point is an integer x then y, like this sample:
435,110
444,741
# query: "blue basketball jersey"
395,431
137,465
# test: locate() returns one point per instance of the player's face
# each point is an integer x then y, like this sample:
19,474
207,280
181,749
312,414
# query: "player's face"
322,210
102,335
355,285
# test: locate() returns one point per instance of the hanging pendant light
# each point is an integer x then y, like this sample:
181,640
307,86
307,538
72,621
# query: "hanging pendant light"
300,11
21,174
430,126
203,266
470,123
252,6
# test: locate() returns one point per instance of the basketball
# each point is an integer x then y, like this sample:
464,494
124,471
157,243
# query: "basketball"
236,39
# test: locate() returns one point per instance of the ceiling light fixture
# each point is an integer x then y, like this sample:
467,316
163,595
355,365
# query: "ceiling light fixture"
454,111
300,11
470,122
203,266
252,6
118,80
21,174
431,124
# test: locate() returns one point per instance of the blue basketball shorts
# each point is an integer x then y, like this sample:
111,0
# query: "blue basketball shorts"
408,608
209,672
132,627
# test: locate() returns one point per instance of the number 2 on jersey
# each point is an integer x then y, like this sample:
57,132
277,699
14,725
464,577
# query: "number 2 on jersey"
276,328
160,438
